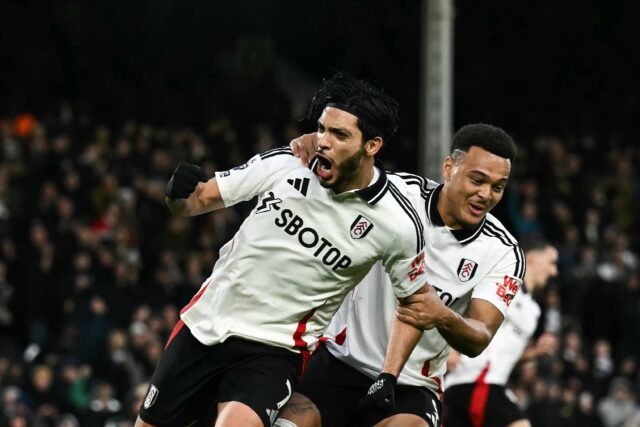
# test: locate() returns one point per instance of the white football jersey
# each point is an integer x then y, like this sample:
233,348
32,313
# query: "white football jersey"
505,349
484,262
300,251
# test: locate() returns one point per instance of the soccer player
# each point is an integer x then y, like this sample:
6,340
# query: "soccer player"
245,337
474,266
475,393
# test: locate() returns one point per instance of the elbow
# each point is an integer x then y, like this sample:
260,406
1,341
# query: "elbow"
474,351
476,347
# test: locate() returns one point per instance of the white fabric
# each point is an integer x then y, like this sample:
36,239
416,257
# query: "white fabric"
505,349
368,311
293,260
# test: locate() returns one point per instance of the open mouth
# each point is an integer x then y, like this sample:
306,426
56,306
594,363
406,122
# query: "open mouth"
324,168
476,209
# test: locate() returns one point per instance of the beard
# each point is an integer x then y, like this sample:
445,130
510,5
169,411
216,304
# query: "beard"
347,171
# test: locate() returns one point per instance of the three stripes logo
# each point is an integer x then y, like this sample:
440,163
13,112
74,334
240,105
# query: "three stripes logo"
268,202
360,227
300,184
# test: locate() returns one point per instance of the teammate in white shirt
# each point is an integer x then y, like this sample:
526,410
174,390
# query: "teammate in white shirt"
474,267
313,235
476,392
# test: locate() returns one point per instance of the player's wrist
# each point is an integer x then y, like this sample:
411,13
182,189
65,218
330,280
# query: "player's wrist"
446,318
389,376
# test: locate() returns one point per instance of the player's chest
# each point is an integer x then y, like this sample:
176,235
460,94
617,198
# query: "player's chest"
299,211
453,269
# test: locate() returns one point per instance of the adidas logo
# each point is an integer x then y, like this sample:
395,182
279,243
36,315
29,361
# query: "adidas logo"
300,184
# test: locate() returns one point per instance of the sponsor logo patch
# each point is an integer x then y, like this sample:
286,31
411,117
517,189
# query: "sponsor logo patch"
300,184
466,269
268,202
507,289
360,227
152,395
418,267
246,165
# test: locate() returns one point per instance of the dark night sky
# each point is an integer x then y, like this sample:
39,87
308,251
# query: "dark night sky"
567,67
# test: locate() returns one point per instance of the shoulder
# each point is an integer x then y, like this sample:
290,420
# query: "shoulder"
280,152
403,211
500,243
495,229
413,182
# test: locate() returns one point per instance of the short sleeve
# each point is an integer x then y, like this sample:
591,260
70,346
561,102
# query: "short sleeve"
258,175
407,274
502,284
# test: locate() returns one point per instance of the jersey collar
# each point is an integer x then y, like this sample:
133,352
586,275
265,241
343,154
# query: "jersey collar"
463,235
374,192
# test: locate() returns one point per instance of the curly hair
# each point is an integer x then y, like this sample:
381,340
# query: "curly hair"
376,111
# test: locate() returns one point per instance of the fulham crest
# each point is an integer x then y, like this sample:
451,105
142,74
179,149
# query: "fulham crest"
466,269
152,395
360,227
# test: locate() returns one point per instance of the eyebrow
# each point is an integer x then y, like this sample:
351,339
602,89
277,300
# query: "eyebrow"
342,131
484,175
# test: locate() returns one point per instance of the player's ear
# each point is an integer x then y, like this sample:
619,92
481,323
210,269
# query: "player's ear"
372,146
447,168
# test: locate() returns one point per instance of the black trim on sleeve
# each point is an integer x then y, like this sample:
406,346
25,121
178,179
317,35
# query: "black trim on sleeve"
406,206
493,230
276,152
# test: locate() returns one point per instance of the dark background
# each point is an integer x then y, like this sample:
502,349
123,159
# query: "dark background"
99,100
567,67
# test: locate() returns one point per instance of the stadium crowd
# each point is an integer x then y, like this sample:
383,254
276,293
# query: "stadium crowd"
94,269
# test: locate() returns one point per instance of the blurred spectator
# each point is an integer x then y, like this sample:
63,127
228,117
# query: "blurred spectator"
619,408
94,270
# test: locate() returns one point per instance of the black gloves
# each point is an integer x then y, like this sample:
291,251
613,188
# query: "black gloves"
184,180
381,392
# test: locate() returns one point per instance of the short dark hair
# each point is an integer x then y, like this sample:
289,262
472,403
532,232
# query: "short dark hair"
534,242
376,111
491,138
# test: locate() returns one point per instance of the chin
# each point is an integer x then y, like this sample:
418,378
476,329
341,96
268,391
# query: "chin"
471,221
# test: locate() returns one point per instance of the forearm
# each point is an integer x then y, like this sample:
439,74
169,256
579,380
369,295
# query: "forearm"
205,198
466,335
402,340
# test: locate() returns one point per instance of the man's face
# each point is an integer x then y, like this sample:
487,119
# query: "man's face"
340,150
542,265
474,184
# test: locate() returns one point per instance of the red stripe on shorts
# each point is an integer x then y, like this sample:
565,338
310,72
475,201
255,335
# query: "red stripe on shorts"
301,344
175,331
479,398
196,297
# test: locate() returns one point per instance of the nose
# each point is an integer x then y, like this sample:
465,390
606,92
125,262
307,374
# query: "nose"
485,192
324,142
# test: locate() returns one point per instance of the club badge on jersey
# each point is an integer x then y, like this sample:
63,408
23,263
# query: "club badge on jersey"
466,269
360,227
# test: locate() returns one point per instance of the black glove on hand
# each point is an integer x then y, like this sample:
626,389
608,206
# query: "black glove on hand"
184,180
381,392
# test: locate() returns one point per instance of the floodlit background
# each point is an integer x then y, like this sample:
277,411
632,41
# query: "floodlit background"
99,100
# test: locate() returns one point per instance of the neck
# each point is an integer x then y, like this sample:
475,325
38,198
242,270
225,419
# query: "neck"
447,218
360,180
